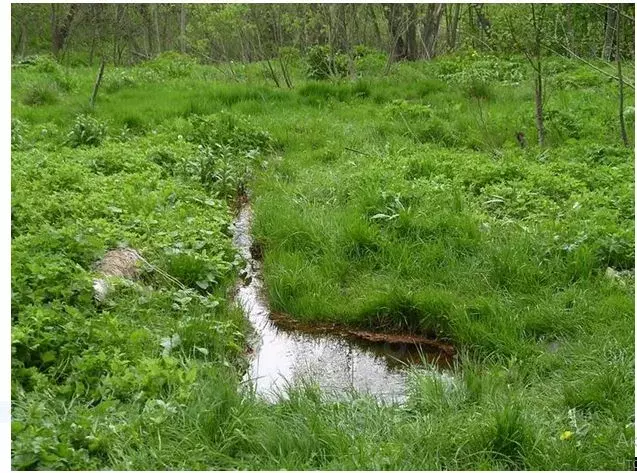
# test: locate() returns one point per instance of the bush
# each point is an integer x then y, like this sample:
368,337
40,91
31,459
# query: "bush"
41,93
464,70
562,123
17,131
171,65
44,63
478,89
323,63
118,80
86,131
227,130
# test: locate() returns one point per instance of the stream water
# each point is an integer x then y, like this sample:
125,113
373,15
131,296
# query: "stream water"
283,357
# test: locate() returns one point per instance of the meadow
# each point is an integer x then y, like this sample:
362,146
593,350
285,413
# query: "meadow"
399,201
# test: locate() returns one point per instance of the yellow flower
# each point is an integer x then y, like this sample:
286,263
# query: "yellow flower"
566,435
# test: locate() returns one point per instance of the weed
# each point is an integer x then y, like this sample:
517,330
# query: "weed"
86,131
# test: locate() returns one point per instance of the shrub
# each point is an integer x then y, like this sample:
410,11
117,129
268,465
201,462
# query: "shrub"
562,123
86,131
464,70
478,89
227,130
43,63
171,65
41,93
118,80
323,63
17,131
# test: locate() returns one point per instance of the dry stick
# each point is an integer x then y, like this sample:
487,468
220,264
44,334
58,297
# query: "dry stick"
285,73
97,84
274,77
357,151
622,123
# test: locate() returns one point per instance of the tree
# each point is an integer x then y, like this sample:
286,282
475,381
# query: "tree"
609,36
622,123
529,42
394,13
430,28
452,16
61,27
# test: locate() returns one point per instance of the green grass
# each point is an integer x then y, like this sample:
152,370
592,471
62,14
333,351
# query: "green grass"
396,202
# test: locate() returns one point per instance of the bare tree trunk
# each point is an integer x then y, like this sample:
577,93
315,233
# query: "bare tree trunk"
155,15
145,13
431,26
412,48
347,45
94,34
273,74
23,45
377,34
182,29
98,81
60,30
570,34
539,90
622,123
452,27
18,42
394,15
609,34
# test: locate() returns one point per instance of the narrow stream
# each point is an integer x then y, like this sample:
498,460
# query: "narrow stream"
284,357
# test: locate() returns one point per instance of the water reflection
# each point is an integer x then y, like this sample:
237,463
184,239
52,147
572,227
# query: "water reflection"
336,363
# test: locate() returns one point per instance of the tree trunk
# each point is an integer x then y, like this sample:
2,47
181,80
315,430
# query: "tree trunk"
23,45
374,18
622,123
452,27
60,30
18,42
609,34
182,29
98,81
412,48
570,33
539,89
431,26
155,15
394,15
145,13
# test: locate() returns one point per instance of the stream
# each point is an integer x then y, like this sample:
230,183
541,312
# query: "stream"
284,356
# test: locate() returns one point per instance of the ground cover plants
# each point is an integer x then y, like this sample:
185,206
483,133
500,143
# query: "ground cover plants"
400,201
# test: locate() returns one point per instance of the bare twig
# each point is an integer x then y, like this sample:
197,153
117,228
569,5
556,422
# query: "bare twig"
98,81
357,151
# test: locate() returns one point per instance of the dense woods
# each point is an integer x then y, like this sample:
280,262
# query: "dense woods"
128,33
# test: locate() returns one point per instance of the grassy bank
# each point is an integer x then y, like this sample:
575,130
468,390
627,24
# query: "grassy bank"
396,202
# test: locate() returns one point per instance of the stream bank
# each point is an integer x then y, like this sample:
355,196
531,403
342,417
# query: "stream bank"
338,359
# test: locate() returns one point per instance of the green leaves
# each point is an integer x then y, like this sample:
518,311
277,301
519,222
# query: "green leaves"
86,131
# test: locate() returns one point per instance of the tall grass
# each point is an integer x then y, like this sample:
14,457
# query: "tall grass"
400,202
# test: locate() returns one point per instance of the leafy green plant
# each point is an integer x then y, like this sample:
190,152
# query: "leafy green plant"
86,131
41,93
323,63
18,129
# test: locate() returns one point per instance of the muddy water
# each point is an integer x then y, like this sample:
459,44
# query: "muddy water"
287,356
